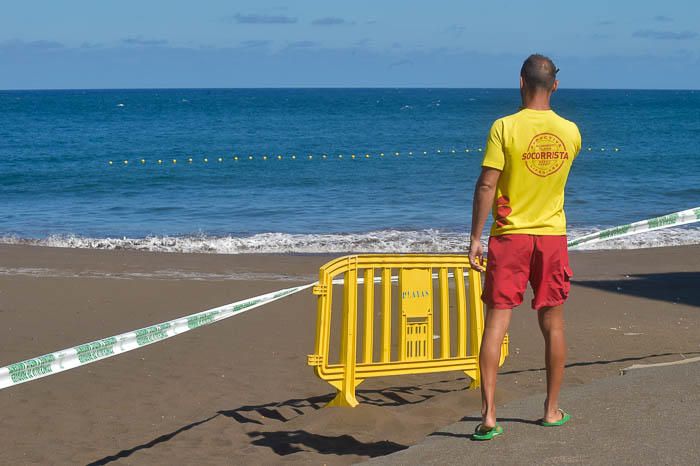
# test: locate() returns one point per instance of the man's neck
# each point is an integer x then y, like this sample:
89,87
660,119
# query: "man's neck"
537,101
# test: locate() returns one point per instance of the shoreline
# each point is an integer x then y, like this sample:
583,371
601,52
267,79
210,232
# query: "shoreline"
8,247
240,390
430,241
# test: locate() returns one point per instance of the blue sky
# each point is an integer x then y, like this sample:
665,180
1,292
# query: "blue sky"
380,43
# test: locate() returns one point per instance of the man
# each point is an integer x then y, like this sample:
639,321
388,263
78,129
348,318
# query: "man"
524,171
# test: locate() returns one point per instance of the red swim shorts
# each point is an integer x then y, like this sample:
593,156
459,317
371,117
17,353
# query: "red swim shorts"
513,260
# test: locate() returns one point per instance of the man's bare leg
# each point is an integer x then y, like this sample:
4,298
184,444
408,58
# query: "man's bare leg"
495,327
551,321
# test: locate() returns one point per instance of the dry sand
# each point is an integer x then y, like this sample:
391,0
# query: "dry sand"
240,392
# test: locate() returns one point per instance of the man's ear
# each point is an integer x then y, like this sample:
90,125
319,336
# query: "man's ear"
556,85
522,83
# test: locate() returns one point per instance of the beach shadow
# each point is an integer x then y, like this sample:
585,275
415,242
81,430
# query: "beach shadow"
277,411
284,411
603,362
281,442
674,287
163,438
288,442
500,419
477,420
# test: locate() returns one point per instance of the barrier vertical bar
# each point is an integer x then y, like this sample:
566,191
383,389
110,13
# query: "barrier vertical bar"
476,322
403,350
369,315
444,313
348,349
327,335
461,313
323,319
386,314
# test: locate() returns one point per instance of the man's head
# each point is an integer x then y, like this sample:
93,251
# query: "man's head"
538,74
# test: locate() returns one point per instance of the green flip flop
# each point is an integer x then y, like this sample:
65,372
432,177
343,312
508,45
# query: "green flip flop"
480,434
565,417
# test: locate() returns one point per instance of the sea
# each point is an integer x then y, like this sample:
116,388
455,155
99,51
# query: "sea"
319,170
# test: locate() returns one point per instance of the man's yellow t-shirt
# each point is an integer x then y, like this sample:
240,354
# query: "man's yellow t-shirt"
534,150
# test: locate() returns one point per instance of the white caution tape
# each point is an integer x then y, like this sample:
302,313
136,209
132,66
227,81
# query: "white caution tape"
80,355
683,217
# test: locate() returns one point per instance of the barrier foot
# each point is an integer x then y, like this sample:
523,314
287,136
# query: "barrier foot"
343,400
504,350
476,379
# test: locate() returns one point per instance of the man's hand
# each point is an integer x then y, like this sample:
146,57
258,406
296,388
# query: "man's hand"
484,192
476,253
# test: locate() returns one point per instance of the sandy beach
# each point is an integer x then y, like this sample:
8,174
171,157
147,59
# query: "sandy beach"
240,392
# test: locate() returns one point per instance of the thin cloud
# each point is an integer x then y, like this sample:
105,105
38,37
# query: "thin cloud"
31,45
665,35
260,19
255,43
329,21
144,42
45,44
302,44
90,45
362,43
605,22
402,62
663,19
456,29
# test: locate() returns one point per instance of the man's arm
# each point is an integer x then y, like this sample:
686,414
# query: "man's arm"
484,193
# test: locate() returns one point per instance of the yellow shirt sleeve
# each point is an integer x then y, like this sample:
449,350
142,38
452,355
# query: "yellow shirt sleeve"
578,147
495,157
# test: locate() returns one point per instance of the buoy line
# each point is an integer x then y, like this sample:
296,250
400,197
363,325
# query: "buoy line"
310,156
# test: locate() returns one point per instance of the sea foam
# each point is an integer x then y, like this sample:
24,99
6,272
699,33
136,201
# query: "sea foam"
383,241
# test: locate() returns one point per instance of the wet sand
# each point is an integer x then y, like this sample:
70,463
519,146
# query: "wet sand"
240,392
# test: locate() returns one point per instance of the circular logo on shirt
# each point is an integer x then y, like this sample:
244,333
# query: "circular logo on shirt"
545,155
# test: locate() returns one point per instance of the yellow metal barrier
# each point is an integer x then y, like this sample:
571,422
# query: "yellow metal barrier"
416,334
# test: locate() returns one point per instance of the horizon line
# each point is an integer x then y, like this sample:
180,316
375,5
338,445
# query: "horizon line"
331,88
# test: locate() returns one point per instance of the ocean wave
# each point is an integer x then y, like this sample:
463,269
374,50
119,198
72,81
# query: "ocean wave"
384,241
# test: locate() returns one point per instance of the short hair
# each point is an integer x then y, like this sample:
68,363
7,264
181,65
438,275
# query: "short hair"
539,72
